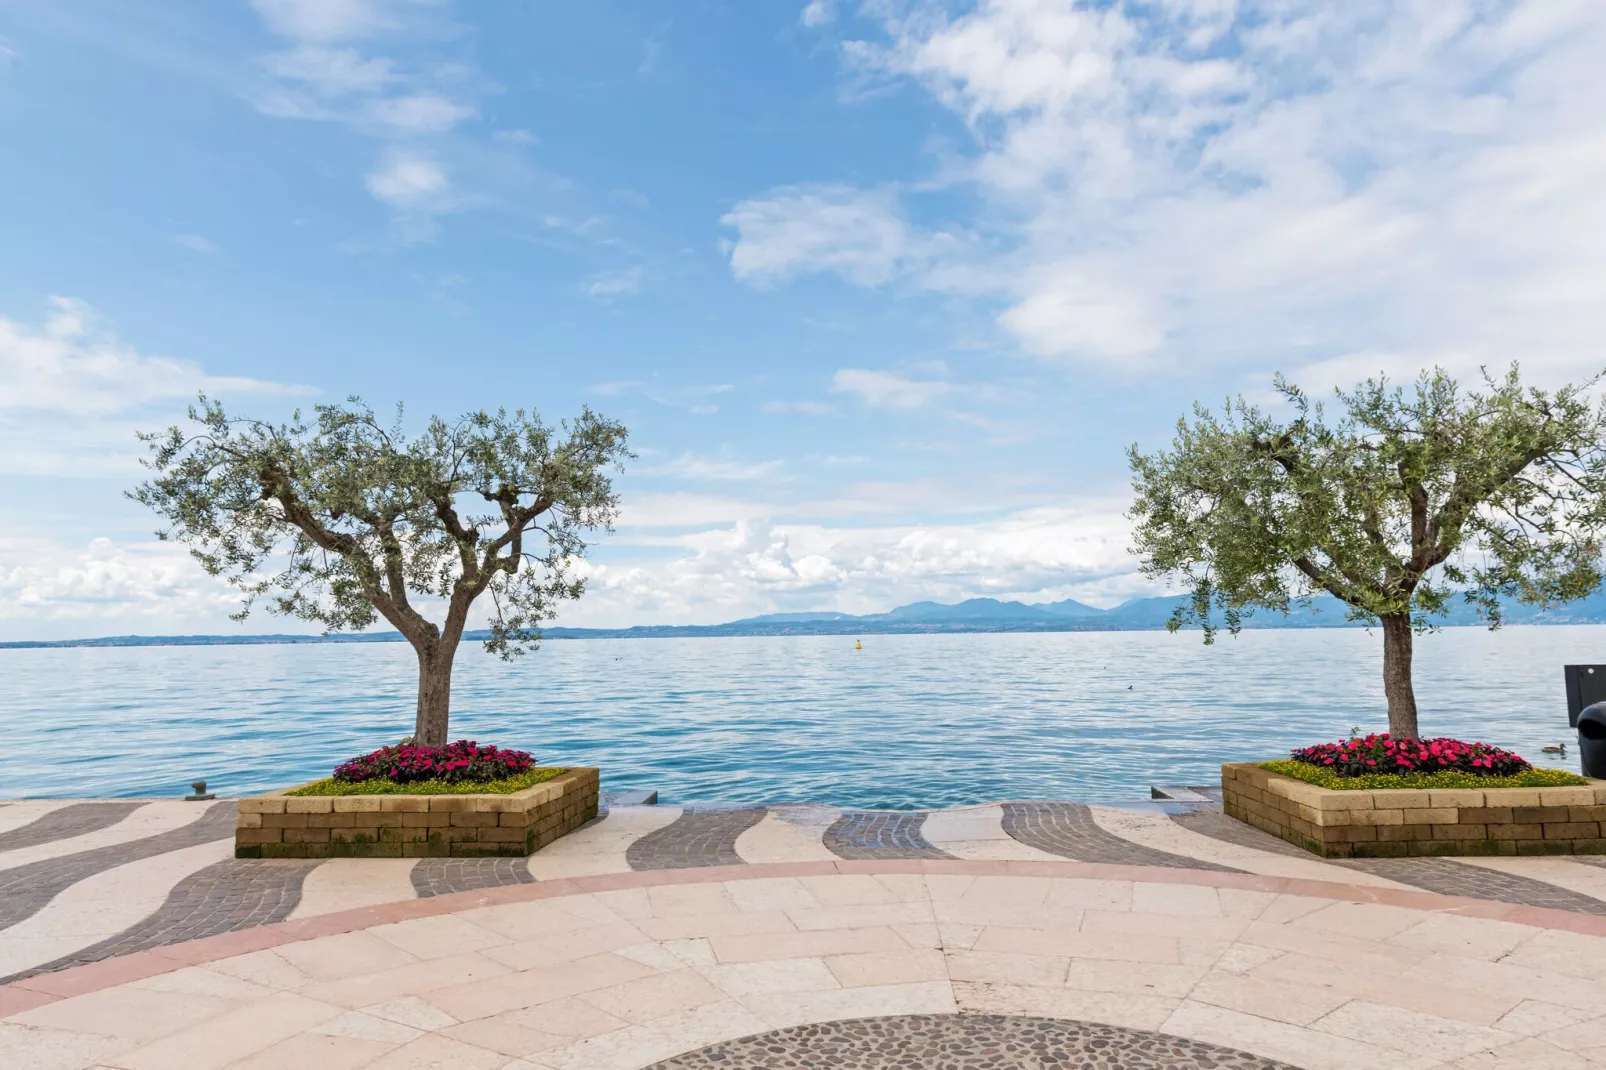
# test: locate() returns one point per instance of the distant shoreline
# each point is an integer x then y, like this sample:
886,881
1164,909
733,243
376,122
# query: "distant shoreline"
710,631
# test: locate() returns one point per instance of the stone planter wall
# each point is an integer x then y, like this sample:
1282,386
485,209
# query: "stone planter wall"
279,825
1391,824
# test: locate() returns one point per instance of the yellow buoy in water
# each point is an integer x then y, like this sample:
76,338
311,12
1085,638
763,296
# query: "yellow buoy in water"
857,645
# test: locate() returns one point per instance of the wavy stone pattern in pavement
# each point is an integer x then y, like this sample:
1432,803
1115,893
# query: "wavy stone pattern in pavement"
230,895
69,821
965,1042
1443,875
861,834
25,890
439,876
696,838
1068,830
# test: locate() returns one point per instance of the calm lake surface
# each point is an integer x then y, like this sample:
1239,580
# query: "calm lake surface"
909,721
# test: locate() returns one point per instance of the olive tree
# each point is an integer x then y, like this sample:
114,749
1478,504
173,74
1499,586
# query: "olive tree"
1394,504
341,521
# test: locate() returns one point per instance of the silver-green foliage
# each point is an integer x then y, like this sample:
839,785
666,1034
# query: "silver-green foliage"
342,520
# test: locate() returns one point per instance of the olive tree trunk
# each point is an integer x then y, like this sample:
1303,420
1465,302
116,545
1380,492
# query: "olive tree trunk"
434,693
1397,639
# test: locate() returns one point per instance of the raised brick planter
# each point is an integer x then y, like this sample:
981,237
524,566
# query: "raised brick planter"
279,825
1391,824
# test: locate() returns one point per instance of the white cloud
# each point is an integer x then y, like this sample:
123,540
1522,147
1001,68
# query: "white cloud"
889,391
74,394
719,469
755,566
859,234
332,71
411,182
324,20
1243,182
72,365
419,113
49,589
817,13
615,283
811,408
196,243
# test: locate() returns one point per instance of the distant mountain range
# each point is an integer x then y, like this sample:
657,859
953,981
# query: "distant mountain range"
972,615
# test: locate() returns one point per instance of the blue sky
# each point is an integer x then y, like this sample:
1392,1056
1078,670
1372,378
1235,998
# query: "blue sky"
882,289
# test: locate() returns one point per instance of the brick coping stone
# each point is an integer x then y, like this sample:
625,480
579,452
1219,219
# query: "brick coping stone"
281,825
1395,823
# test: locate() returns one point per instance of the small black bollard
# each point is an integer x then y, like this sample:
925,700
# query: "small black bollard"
201,794
1592,740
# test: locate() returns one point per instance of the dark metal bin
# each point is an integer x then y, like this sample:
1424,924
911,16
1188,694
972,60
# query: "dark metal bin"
1592,740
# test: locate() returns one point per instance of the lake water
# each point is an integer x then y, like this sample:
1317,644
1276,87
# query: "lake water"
909,721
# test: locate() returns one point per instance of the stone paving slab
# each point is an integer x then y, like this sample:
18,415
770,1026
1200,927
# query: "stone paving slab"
880,834
225,897
76,819
25,890
1446,876
965,1042
696,838
1068,830
441,876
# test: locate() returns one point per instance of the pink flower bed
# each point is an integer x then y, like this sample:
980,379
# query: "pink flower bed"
1365,755
464,760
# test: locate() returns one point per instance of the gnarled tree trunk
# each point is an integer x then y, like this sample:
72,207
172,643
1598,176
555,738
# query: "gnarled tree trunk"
434,693
1397,638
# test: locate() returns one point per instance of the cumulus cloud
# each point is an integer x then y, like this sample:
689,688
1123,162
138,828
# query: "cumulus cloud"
755,566
858,234
105,587
74,392
817,13
410,181
1242,182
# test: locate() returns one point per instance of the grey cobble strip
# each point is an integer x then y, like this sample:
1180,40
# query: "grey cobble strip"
695,838
25,890
1068,830
440,876
1445,876
228,895
858,834
965,1042
76,820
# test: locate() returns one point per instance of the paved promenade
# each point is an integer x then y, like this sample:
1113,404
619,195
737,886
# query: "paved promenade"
1034,934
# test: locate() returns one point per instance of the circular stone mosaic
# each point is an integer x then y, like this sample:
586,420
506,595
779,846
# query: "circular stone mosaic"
964,1042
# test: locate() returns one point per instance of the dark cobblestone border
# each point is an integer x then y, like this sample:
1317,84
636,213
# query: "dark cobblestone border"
965,1042
77,819
439,876
696,838
1068,830
1445,876
228,895
860,834
25,890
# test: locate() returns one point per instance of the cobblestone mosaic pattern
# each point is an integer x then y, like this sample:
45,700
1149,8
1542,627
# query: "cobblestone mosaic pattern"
695,838
228,895
1443,875
76,820
965,1042
25,890
438,876
859,834
1068,830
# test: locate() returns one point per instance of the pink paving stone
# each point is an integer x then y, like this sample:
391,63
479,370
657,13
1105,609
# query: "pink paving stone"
98,975
15,1000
